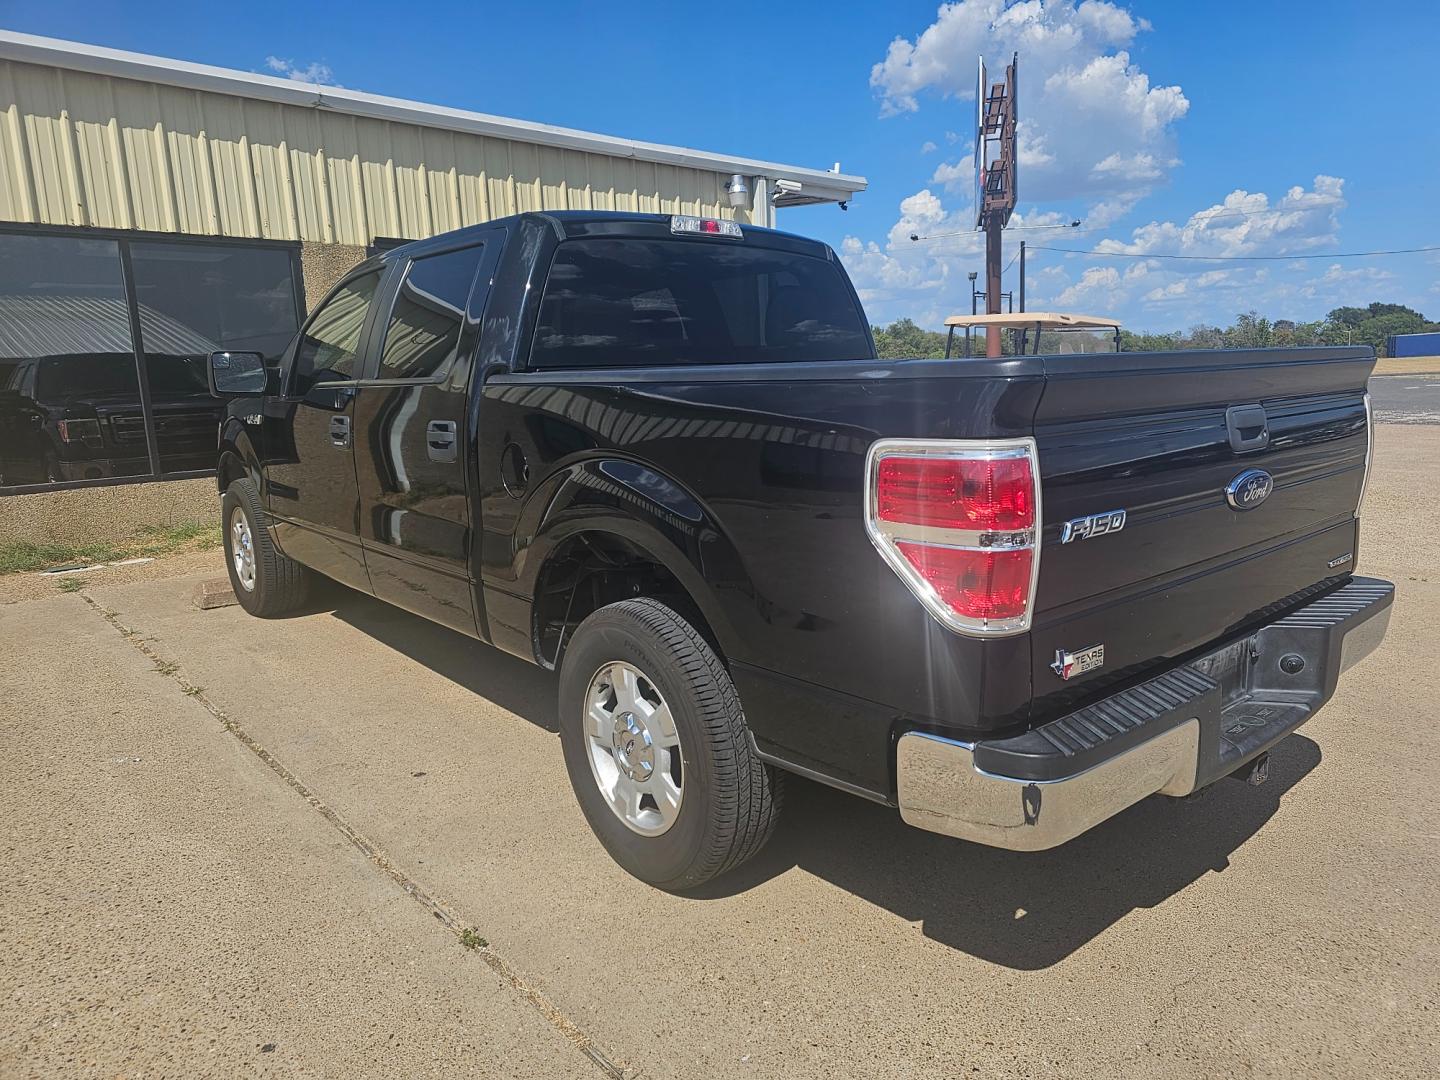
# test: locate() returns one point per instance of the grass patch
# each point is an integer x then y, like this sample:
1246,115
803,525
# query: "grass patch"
153,542
70,584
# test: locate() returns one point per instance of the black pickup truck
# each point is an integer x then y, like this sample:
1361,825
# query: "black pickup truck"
1010,597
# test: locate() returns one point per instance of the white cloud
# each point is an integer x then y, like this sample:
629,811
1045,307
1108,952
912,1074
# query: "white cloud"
957,178
1161,293
925,279
1097,284
1091,122
1247,223
1137,166
928,148
313,72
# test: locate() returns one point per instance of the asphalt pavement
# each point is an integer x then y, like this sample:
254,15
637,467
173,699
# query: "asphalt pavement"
232,846
1406,399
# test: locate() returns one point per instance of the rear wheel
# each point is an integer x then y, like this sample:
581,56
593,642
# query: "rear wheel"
657,748
265,582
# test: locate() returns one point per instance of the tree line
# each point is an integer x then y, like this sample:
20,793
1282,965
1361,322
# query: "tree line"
1370,325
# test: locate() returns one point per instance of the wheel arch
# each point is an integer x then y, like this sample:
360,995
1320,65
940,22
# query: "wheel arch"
237,458
616,529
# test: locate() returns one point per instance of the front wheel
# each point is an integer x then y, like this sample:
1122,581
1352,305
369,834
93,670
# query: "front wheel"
657,748
265,582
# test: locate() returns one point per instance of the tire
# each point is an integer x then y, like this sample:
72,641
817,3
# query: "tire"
274,585
729,799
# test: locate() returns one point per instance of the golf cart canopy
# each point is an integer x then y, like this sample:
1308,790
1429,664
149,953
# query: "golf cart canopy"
1026,323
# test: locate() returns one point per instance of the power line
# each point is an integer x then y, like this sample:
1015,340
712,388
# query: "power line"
1008,228
1240,258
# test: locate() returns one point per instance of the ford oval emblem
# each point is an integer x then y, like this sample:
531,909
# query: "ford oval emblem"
1248,490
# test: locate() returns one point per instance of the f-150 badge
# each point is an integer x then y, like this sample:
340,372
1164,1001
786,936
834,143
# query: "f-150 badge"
1093,525
1069,664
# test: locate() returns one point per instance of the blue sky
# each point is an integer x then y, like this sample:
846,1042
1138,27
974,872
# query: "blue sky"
1167,128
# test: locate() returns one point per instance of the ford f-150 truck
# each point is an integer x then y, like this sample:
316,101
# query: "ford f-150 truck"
1010,597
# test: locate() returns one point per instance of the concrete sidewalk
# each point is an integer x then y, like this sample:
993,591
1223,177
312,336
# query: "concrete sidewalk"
152,910
170,906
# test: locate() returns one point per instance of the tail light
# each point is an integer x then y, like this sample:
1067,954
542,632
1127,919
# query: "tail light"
72,431
959,521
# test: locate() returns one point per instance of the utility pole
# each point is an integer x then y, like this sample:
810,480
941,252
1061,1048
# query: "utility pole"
995,159
973,295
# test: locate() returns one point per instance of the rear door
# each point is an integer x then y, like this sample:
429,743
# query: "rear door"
1162,438
310,467
412,435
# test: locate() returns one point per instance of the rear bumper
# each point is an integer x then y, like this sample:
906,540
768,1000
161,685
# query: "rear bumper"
1171,735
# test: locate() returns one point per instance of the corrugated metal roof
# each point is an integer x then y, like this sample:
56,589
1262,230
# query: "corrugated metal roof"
95,136
44,325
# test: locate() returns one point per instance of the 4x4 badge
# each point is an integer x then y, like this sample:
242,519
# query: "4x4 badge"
1069,664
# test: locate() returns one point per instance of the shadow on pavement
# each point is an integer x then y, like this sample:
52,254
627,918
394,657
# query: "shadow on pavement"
511,683
1019,910
1024,910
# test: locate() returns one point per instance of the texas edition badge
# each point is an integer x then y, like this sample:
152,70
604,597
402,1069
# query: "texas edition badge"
1069,664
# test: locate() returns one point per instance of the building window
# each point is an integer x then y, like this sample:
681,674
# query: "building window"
85,395
194,300
69,386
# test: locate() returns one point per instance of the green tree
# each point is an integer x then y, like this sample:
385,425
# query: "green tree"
902,340
1348,316
1374,331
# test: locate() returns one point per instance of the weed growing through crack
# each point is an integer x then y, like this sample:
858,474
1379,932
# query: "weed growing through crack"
471,940
69,584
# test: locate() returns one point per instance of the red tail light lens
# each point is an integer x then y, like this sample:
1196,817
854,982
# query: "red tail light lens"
988,494
959,522
992,584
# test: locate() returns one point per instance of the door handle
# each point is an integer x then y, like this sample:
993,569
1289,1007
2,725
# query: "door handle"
440,440
1248,427
340,431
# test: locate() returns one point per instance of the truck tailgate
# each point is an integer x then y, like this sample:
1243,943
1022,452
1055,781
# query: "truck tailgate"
1162,439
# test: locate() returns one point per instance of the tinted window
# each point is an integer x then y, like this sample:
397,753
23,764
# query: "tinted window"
330,347
428,315
69,389
611,303
195,299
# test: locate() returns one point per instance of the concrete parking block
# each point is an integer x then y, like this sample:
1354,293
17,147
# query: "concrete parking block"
213,593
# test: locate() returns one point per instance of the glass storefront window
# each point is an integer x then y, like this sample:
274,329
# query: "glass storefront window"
69,390
195,299
71,406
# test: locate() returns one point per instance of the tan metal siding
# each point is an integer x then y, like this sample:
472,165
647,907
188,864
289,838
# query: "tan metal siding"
86,149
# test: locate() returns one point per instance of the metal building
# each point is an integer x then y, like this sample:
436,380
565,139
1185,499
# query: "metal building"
152,208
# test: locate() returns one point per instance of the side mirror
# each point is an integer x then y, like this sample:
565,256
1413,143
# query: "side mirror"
237,374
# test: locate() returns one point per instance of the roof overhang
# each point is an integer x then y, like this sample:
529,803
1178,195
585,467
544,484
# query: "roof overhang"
815,185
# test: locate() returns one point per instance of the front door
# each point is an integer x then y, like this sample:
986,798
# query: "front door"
311,475
413,455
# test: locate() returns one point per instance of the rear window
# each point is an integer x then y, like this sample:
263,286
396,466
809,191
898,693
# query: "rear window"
621,303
